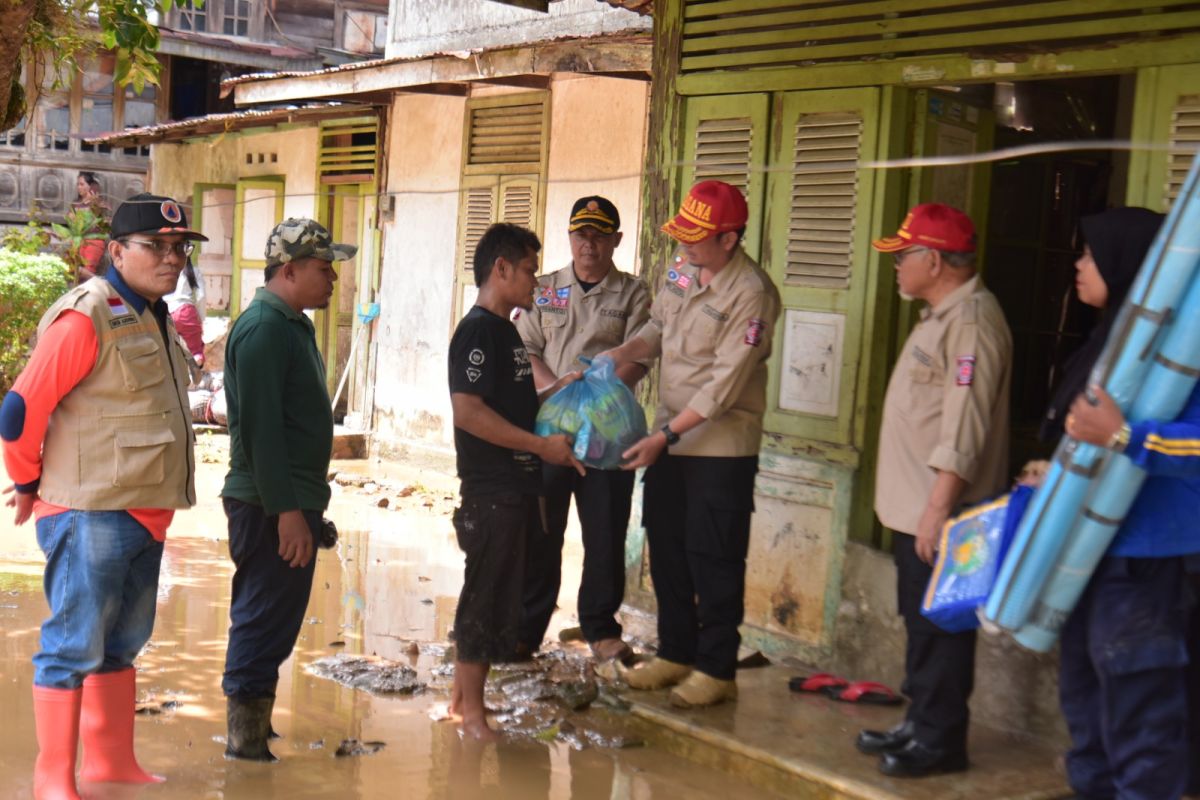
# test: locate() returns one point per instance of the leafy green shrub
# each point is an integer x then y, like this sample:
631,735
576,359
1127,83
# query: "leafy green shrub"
29,284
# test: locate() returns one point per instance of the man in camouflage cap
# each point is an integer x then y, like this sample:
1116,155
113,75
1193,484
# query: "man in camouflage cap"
281,435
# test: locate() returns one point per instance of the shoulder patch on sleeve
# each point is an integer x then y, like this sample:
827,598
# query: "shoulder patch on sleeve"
965,372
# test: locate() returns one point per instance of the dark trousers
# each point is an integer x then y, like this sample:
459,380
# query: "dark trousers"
602,498
1193,680
696,511
268,602
939,667
493,532
1123,681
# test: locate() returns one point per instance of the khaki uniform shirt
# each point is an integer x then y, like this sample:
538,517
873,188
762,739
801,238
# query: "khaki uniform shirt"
946,407
715,341
565,323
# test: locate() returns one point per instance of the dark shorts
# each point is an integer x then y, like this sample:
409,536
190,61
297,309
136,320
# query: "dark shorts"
493,531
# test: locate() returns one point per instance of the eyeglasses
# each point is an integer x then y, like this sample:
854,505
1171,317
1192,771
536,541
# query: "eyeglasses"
164,249
902,255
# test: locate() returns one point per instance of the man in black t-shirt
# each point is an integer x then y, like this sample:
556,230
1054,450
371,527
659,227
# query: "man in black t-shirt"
499,462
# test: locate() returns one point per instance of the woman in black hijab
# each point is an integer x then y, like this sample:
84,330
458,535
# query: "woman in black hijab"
1122,648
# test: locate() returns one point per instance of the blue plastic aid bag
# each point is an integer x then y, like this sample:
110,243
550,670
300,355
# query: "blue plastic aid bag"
971,551
598,412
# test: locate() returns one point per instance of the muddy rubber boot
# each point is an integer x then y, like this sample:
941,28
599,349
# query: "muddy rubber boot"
702,690
56,714
658,674
248,720
106,727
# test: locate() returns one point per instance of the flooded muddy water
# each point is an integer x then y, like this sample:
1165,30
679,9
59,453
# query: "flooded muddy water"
388,591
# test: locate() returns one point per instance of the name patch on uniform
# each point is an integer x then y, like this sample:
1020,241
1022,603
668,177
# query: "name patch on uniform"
719,316
922,356
966,370
754,332
617,313
553,308
673,288
122,316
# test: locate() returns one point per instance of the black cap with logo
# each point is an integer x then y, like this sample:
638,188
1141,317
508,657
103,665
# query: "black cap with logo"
149,213
597,212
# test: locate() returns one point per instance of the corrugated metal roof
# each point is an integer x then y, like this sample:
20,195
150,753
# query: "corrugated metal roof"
218,123
227,85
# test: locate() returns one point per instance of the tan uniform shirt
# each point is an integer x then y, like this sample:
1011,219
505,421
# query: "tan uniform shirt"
565,323
715,341
946,407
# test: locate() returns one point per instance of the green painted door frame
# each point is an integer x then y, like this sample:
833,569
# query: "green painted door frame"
244,241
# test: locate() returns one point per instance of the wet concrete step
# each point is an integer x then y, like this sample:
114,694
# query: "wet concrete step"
802,746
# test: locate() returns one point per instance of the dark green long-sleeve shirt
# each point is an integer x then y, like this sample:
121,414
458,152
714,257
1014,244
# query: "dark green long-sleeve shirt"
280,420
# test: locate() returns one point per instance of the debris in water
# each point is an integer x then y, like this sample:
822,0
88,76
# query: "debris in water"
353,747
439,712
755,659
423,579
312,621
383,502
576,695
338,643
375,675
319,744
427,601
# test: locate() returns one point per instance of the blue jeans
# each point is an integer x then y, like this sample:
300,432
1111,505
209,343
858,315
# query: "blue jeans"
101,583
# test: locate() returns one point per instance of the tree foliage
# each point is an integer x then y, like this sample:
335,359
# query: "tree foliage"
54,34
29,284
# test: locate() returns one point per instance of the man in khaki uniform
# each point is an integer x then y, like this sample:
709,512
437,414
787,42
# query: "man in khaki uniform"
943,442
712,321
583,308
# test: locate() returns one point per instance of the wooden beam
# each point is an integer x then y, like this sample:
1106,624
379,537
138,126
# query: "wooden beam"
580,56
540,82
447,89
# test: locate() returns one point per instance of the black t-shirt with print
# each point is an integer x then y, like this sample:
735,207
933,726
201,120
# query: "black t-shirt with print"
488,358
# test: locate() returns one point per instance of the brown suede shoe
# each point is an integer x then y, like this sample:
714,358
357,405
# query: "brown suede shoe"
608,649
702,690
658,674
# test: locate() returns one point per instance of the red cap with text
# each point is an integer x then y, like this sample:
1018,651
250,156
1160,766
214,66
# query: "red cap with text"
932,225
711,207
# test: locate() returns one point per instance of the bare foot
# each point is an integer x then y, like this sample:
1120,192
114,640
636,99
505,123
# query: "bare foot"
478,730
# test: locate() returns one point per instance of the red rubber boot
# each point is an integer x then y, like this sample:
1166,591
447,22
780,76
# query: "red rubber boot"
56,713
106,726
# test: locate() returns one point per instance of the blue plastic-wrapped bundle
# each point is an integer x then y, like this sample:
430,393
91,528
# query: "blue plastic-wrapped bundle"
598,412
972,548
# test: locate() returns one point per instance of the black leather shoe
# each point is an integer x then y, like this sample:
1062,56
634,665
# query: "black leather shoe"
916,760
876,742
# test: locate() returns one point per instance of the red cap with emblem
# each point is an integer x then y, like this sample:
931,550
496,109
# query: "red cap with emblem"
711,207
932,225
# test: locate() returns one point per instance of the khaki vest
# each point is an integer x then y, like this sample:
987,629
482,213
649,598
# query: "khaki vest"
122,438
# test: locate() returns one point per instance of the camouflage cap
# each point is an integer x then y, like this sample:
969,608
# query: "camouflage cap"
303,238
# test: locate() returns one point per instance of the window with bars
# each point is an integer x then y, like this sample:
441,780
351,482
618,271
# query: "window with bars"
193,18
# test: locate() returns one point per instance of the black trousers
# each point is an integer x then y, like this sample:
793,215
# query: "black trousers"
939,667
602,498
1123,681
696,511
268,602
494,532
1193,678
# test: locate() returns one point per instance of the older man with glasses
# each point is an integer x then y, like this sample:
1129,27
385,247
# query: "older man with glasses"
98,439
943,441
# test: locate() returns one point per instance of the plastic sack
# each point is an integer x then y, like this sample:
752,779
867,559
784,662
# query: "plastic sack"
598,412
972,548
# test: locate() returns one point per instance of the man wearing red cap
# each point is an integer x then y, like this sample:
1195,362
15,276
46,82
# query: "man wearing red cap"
712,321
943,442
98,439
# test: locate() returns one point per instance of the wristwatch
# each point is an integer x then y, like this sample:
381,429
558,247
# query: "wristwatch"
672,436
1120,439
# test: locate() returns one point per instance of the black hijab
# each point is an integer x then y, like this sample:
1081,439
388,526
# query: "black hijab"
1119,240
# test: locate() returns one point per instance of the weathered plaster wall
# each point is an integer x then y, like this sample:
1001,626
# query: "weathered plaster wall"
175,168
419,27
597,144
424,151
